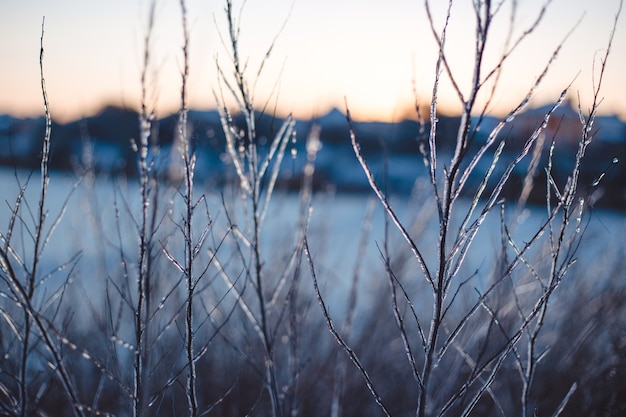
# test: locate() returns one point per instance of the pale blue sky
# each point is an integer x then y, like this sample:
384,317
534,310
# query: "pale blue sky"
366,50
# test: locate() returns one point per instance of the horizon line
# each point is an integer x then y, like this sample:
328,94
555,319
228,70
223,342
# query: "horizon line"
407,113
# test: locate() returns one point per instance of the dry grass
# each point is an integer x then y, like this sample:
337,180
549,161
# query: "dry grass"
184,303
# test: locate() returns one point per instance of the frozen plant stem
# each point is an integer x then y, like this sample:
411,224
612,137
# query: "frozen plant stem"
143,276
38,233
561,258
189,159
257,173
24,292
446,324
32,276
340,340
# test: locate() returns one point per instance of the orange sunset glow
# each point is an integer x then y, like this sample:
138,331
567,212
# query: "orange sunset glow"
368,52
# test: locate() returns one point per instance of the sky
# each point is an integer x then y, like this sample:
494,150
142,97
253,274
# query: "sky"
376,55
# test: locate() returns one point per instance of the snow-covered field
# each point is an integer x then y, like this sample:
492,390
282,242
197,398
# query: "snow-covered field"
99,220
